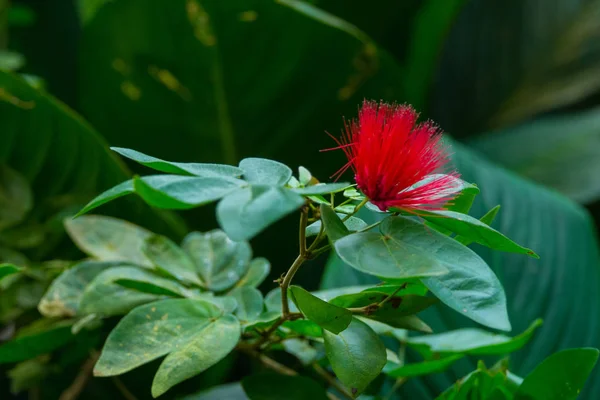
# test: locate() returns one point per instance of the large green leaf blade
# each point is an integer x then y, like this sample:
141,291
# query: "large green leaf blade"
61,156
560,376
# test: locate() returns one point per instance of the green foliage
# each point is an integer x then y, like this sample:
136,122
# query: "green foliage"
208,81
560,376
357,355
328,316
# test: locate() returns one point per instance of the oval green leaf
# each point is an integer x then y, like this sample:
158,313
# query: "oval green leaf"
248,211
197,169
402,249
331,317
218,260
260,171
109,239
357,355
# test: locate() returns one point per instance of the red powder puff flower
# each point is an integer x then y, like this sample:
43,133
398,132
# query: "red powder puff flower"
390,153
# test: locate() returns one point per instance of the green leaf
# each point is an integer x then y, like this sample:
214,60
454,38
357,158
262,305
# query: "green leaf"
352,224
357,356
16,198
219,261
471,341
560,376
28,374
104,296
421,368
353,194
194,333
120,190
473,229
201,352
63,297
271,386
197,169
41,337
393,312
258,270
183,192
565,162
171,259
322,188
8,269
304,327
334,227
109,239
32,121
530,283
260,171
302,350
333,318
489,216
426,39
415,287
482,383
304,176
249,304
248,211
542,76
402,249
150,283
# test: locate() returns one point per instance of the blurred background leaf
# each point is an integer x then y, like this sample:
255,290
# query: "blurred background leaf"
215,81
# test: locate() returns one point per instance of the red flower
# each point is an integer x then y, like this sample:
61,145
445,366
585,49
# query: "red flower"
389,153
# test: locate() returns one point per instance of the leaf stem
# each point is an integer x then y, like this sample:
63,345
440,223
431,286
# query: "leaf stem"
275,366
356,208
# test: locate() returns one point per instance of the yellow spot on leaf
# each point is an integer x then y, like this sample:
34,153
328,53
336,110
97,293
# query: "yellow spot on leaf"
248,16
199,20
164,317
148,316
130,90
178,327
170,82
153,309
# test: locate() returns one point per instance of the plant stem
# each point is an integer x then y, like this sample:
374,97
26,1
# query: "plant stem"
332,381
123,389
358,207
287,280
276,366
75,389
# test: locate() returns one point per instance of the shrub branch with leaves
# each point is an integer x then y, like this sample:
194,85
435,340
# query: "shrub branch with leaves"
197,302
